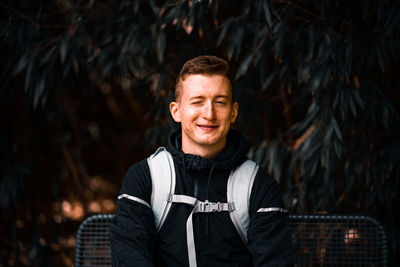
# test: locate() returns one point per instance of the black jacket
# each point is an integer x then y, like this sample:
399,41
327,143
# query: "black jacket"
135,241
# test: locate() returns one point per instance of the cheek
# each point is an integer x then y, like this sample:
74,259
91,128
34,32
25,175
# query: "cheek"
188,114
229,116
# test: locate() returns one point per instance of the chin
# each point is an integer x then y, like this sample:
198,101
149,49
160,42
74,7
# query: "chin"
208,142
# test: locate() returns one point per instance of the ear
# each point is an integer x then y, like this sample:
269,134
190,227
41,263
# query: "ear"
235,109
174,109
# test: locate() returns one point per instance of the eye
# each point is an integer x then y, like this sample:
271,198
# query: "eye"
221,102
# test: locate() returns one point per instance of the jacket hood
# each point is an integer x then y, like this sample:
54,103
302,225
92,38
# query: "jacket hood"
232,155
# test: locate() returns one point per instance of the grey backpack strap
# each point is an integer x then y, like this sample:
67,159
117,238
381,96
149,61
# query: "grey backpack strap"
162,173
239,187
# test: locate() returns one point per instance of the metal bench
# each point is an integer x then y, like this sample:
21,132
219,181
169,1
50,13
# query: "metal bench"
319,240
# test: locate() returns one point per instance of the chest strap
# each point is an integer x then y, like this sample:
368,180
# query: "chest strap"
198,206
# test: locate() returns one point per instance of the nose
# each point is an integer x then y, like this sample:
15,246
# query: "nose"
209,111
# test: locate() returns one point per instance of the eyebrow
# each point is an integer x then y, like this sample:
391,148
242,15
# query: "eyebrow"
224,96
202,97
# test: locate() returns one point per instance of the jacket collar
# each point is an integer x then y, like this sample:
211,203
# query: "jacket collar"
232,155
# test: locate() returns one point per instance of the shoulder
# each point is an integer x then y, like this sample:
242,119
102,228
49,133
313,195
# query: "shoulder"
137,171
265,191
264,179
137,180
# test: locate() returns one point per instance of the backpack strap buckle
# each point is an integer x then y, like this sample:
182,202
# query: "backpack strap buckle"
207,206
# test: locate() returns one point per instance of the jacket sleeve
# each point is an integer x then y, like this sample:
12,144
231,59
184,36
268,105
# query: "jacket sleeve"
132,232
269,235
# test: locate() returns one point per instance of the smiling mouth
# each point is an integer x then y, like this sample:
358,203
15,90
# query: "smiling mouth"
208,127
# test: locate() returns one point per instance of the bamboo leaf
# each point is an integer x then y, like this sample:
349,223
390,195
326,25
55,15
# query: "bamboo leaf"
21,64
316,79
224,26
267,14
244,66
358,99
338,149
351,102
393,19
49,54
336,127
238,42
28,74
38,92
348,58
268,81
161,42
63,50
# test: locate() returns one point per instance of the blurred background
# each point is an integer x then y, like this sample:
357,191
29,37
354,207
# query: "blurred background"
85,88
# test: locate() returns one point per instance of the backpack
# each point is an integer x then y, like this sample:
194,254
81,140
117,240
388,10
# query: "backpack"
239,187
163,178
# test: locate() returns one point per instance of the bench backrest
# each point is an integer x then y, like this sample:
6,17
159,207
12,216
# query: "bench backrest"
319,240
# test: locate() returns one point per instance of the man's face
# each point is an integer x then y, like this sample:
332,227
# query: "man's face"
205,111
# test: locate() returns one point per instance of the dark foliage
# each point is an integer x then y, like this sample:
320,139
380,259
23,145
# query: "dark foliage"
86,86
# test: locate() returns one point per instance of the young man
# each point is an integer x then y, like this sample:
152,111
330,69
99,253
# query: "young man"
204,151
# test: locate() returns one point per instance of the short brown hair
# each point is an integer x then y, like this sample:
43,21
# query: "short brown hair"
210,65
